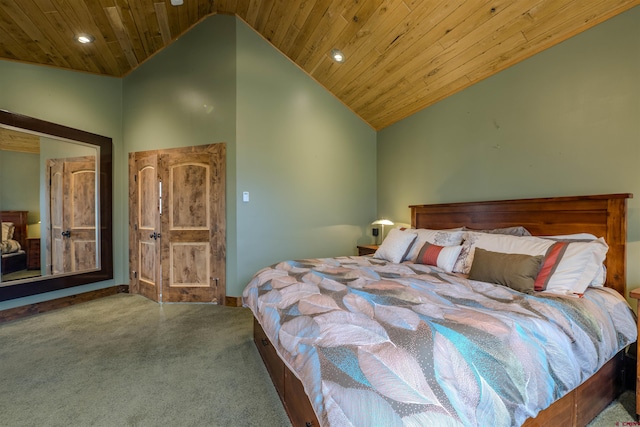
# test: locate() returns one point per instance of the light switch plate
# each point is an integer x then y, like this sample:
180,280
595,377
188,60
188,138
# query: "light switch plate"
245,196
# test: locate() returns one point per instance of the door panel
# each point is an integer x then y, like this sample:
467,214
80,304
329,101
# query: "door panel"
56,200
146,259
186,242
80,213
189,264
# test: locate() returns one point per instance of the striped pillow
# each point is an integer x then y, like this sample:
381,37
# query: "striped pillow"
569,267
443,257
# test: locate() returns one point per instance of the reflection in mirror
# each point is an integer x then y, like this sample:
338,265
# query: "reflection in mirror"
66,211
71,223
55,206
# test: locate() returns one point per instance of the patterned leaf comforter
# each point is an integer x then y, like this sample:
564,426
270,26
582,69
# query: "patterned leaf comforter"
382,344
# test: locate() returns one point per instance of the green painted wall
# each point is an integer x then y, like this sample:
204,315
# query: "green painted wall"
22,168
221,82
184,96
83,101
564,122
307,162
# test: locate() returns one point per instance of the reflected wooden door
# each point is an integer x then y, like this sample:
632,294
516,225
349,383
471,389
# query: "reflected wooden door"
57,253
145,247
72,213
191,211
80,213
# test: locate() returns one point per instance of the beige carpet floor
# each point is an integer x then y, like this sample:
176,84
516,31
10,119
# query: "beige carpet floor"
127,361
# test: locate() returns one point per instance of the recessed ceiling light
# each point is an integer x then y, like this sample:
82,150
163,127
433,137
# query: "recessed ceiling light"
337,55
85,38
176,2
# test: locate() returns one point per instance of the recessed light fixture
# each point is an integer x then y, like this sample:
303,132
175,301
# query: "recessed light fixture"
337,55
176,2
85,38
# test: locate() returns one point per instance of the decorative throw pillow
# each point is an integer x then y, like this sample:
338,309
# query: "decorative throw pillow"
7,231
395,246
440,256
517,271
451,237
569,267
527,245
601,276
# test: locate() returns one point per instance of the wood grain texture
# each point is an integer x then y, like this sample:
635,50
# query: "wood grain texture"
144,221
601,215
186,263
635,294
401,55
23,142
72,206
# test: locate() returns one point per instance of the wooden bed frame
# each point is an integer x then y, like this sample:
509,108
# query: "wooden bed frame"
601,215
19,219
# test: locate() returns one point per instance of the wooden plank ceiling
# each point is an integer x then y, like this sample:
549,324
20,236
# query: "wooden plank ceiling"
13,140
401,55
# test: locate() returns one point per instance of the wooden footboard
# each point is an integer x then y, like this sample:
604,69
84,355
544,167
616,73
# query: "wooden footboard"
576,409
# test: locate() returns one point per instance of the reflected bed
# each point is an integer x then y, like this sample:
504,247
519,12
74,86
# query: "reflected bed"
14,257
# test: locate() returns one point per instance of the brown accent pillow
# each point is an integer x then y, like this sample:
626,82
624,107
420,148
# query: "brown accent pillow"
516,271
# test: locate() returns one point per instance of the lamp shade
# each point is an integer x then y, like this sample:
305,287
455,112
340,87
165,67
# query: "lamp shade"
381,223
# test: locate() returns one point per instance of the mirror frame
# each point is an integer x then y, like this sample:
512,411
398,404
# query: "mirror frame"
44,284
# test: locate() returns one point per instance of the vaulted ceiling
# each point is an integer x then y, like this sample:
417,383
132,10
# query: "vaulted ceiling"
401,55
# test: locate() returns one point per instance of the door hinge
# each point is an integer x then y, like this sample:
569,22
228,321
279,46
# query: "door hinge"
135,227
135,177
135,274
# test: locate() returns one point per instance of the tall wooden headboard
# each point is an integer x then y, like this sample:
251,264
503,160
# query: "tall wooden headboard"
602,215
19,220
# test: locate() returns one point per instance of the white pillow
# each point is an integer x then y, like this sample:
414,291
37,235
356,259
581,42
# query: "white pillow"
525,245
568,267
451,237
396,245
571,266
441,256
7,231
601,275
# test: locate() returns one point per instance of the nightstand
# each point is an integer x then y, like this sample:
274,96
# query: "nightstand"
367,249
635,294
33,253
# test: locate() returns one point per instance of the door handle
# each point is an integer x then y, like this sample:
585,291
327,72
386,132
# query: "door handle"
66,233
155,236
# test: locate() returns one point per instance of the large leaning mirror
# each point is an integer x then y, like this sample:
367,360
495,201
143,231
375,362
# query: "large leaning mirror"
55,206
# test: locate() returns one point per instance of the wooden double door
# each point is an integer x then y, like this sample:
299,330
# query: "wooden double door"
177,224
